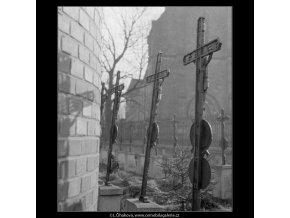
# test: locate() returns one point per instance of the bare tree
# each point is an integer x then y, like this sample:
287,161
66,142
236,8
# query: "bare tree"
133,35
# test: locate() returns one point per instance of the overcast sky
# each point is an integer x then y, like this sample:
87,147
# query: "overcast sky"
111,16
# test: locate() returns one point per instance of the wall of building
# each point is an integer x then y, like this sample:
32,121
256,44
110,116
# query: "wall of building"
79,83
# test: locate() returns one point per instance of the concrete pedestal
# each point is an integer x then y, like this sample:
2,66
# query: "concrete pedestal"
134,205
223,177
109,198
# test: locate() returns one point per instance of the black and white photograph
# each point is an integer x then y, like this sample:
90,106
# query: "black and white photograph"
144,109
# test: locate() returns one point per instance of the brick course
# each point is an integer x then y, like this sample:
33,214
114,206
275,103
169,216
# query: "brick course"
81,166
69,46
77,31
89,74
91,12
84,20
89,41
74,187
86,183
77,69
84,54
66,83
63,23
72,12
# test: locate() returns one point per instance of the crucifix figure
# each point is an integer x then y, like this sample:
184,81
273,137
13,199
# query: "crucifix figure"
117,90
201,56
224,141
152,133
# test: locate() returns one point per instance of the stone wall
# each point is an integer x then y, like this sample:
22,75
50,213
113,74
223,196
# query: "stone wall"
79,83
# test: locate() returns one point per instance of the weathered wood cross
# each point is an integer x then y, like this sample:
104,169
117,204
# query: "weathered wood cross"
201,56
224,142
152,132
114,128
103,100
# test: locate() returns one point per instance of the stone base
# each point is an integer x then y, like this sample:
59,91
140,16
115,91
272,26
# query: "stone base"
109,198
134,205
223,177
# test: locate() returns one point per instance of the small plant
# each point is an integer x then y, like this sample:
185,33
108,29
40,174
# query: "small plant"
176,181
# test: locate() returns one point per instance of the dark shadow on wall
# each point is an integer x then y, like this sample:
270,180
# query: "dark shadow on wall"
70,107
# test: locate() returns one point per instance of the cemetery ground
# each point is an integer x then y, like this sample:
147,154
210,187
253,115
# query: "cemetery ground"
167,192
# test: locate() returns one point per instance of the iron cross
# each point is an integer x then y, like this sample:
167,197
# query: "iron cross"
114,129
103,100
152,132
224,142
201,56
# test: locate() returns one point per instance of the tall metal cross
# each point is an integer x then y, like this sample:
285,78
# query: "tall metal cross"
224,142
104,97
201,56
152,132
114,129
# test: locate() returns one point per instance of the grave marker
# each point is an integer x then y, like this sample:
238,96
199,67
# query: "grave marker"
114,128
201,56
224,141
157,79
